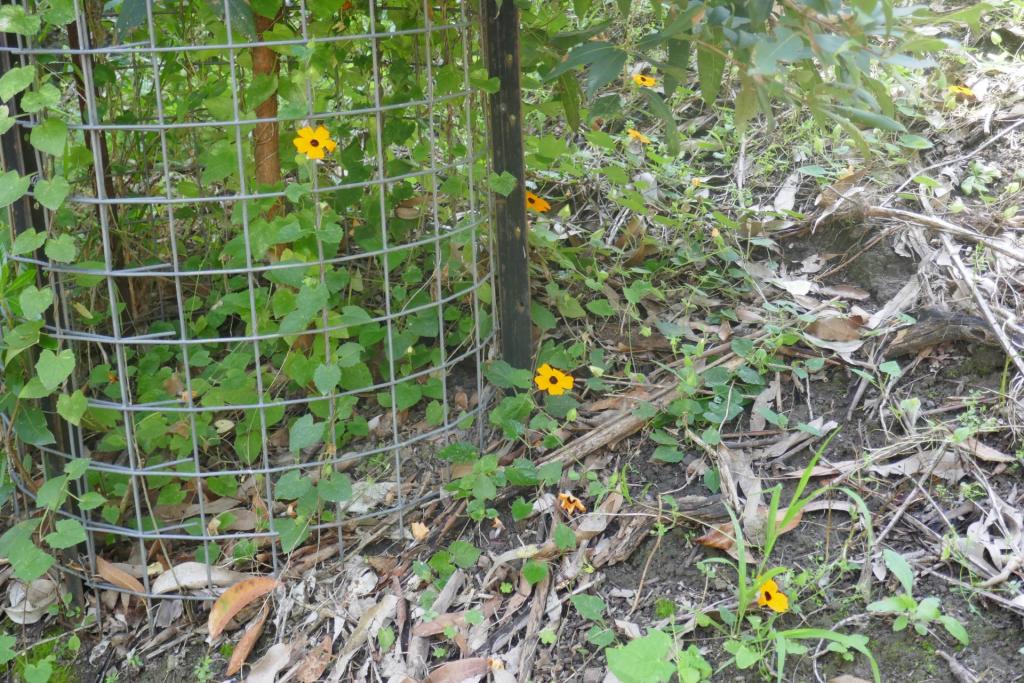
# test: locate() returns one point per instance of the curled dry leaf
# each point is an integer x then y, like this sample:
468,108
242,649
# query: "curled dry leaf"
983,451
193,575
785,200
265,670
30,603
723,537
941,463
459,670
118,576
794,286
315,663
837,328
235,598
845,292
246,643
419,530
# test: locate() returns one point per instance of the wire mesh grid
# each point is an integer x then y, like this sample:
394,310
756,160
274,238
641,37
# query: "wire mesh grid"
224,305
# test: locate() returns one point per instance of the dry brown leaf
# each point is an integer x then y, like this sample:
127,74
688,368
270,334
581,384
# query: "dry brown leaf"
843,186
266,669
723,537
246,643
419,530
459,670
785,200
845,292
117,576
947,467
458,619
837,328
235,598
315,663
983,451
840,347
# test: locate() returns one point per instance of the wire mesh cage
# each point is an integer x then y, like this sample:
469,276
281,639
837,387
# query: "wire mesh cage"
251,272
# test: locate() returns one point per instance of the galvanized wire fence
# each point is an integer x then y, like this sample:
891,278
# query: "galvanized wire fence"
252,326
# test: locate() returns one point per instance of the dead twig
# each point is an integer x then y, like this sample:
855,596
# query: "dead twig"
986,311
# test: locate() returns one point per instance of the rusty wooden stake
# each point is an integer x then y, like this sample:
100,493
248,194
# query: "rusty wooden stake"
501,50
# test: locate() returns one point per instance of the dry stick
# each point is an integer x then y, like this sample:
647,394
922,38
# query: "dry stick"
1004,341
949,162
865,571
944,226
647,566
960,672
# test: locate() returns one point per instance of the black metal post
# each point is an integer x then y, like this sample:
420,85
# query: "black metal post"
501,50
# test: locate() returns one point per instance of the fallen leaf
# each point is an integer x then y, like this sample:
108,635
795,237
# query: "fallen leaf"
795,287
947,467
785,200
845,292
837,328
246,643
419,530
316,662
840,347
234,599
118,577
459,670
763,400
846,678
983,452
193,575
723,537
30,603
265,670
443,621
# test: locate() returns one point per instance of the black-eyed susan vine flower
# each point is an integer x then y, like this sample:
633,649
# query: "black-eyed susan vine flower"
634,134
538,204
553,380
961,92
314,143
570,503
645,81
769,595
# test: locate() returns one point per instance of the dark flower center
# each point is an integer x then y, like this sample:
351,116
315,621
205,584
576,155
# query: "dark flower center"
531,200
314,143
552,380
767,596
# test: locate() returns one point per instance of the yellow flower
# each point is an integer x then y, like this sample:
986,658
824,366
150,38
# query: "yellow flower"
961,92
769,595
538,204
570,503
313,143
553,380
645,81
634,134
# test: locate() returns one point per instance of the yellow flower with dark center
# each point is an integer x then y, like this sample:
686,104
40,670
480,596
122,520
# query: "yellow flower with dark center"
570,503
553,380
314,143
769,595
538,204
634,134
645,81
961,92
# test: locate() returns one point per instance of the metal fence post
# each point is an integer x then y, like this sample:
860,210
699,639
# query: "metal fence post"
501,50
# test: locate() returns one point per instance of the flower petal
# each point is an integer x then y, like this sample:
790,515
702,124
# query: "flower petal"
306,132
